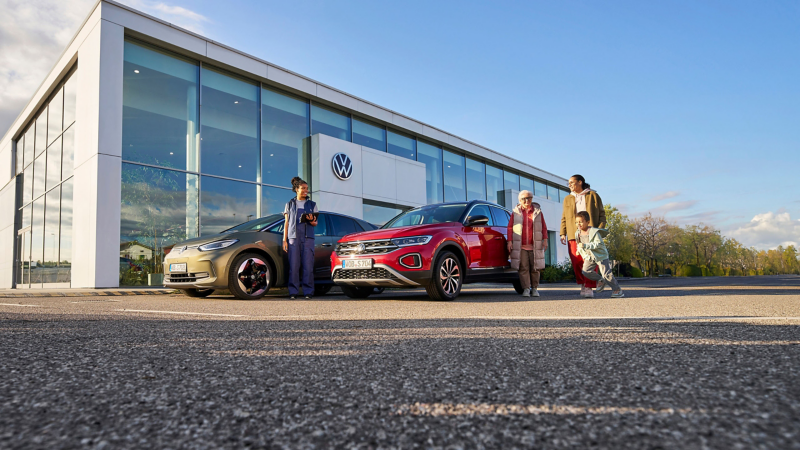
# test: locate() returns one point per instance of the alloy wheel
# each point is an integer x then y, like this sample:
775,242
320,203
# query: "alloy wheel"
253,276
450,276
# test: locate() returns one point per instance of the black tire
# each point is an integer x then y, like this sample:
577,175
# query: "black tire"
378,290
198,292
250,276
322,289
447,278
518,286
357,291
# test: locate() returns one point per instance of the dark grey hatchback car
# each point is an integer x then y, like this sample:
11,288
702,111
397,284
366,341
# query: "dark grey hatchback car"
248,259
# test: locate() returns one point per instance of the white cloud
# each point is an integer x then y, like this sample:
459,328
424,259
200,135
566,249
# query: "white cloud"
34,34
665,196
673,206
768,230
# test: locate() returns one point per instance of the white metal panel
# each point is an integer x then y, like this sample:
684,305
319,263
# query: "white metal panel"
322,150
433,133
150,26
6,163
291,80
408,124
343,204
410,181
380,177
236,60
337,97
374,111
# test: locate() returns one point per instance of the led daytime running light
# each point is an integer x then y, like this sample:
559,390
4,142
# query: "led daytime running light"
217,245
411,240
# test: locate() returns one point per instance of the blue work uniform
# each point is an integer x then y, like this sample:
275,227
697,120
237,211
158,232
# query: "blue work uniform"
301,247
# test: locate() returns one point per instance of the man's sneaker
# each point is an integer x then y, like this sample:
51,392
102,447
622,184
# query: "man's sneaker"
526,292
292,297
601,285
535,293
618,294
308,297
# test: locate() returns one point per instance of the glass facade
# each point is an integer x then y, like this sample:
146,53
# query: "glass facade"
455,188
494,184
225,203
378,214
431,156
284,138
401,144
510,180
44,169
476,180
526,184
331,122
369,134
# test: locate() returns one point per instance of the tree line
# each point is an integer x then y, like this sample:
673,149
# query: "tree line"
654,246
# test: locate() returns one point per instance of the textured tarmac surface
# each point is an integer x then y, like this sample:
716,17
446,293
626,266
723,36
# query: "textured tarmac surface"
678,363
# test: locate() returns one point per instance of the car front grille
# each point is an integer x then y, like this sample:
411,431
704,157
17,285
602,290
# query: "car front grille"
363,274
370,247
186,277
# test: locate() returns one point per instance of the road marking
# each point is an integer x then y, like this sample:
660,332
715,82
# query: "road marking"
180,312
17,304
635,318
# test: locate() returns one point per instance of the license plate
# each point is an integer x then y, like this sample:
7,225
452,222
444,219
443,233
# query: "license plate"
357,264
181,267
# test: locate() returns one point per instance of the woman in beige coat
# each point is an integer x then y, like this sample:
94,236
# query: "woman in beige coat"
581,199
527,241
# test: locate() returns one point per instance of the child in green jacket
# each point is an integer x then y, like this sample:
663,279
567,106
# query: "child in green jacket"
595,254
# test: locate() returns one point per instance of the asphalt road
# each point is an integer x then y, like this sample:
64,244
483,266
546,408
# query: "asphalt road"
678,363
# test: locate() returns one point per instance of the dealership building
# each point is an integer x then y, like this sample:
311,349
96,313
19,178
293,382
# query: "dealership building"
145,134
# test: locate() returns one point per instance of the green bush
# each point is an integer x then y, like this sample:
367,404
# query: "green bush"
691,271
636,273
551,274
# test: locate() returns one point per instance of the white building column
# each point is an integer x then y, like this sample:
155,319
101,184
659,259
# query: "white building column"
98,158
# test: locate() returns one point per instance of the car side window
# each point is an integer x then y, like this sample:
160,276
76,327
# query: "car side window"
342,225
277,228
481,210
322,226
501,217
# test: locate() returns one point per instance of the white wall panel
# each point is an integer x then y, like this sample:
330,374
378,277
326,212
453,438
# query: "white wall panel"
237,60
322,150
6,163
342,204
153,27
337,97
410,181
291,80
407,123
374,111
380,176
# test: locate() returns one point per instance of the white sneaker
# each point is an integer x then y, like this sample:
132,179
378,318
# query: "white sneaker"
526,292
589,293
583,291
535,293
618,294
600,286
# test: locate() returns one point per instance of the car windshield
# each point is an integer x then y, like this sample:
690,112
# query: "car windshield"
428,214
255,225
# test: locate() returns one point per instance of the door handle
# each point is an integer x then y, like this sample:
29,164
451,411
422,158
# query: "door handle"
326,245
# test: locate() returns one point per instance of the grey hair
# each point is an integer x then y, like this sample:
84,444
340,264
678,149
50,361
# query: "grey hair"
524,193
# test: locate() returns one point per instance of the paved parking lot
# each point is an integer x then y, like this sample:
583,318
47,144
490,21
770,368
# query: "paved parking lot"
679,363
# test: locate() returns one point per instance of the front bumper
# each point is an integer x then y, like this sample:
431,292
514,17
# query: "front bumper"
386,270
201,272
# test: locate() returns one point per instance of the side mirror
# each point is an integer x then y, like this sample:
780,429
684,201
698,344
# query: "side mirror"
477,221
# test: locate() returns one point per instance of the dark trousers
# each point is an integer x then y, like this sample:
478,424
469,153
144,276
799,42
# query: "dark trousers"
301,265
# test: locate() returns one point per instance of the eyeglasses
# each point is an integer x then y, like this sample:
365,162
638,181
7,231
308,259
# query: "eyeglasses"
524,199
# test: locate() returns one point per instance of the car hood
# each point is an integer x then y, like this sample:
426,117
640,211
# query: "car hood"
389,233
247,236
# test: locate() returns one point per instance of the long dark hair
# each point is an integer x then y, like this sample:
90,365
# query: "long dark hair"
582,180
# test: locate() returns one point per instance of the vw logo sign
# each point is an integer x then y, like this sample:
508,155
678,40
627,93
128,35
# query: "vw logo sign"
342,166
361,248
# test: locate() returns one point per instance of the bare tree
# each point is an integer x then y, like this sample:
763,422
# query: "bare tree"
650,237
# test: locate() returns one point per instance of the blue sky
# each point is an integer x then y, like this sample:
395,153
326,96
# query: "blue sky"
688,109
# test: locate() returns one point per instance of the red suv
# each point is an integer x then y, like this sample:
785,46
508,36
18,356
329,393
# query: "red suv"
439,247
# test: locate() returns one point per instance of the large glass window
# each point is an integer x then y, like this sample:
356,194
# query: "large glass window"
37,241
331,122
510,180
284,134
55,116
41,132
19,156
229,125
378,215
68,153
552,193
65,242
369,134
402,144
225,203
431,156
494,184
476,180
70,97
526,184
540,189
273,200
159,209
454,183
54,164
27,185
39,172
30,137
563,194
159,108
49,267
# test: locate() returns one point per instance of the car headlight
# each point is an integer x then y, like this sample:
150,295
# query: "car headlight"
217,245
413,240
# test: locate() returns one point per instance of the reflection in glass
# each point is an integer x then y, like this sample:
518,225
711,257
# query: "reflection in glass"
54,116
454,183
159,108
563,195
476,180
24,240
225,203
30,137
37,240
284,135
49,267
494,185
229,126
68,153
54,164
552,193
369,134
510,180
27,185
41,132
431,156
526,184
39,171
540,190
20,155
159,208
378,214
69,100
274,199
65,244
330,121
401,144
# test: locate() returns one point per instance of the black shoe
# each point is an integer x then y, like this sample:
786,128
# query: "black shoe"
308,297
292,297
